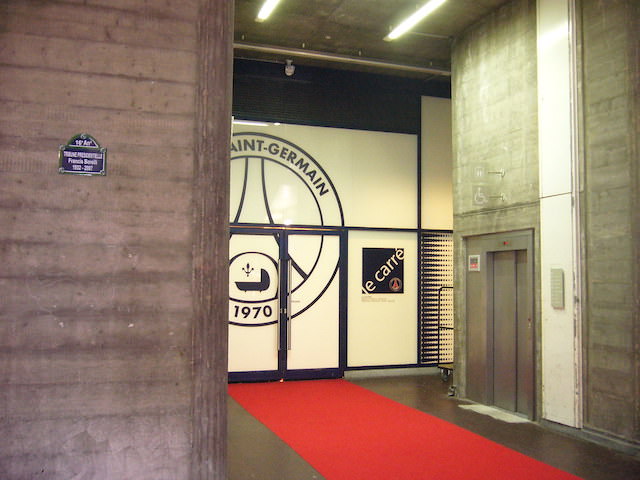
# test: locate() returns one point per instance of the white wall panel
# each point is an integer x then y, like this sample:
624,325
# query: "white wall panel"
374,173
561,384
554,106
558,330
382,328
437,164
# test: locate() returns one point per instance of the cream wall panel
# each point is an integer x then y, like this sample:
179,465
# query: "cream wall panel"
260,341
558,332
437,164
561,385
382,328
374,173
554,109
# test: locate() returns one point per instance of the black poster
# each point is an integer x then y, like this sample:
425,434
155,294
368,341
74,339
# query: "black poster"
382,270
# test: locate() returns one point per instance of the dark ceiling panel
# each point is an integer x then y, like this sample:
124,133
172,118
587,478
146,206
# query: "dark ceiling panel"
326,97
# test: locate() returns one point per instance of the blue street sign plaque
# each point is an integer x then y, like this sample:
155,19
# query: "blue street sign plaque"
82,155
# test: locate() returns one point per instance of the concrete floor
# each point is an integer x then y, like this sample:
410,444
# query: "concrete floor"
256,453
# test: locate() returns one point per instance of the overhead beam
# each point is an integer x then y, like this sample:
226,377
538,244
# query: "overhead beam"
335,58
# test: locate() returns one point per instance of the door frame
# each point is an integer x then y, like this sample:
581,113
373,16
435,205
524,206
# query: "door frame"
282,372
479,312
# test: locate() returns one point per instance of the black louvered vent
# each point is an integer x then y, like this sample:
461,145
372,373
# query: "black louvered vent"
436,297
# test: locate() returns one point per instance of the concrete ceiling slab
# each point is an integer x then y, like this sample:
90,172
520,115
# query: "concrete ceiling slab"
328,33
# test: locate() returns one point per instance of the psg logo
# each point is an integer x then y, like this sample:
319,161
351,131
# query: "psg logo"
275,183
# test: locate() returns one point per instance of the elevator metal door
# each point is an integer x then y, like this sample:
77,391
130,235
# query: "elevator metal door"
511,331
504,330
499,327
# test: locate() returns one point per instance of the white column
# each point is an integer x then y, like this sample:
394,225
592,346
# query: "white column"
559,229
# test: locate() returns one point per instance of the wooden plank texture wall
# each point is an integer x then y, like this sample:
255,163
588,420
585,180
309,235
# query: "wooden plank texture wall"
97,309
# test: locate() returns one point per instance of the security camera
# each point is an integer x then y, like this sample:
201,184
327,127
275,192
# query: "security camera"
289,68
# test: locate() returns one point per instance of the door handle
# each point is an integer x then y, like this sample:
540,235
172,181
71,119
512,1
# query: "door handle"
282,310
286,309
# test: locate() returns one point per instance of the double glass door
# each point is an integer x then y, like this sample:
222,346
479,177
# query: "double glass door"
285,319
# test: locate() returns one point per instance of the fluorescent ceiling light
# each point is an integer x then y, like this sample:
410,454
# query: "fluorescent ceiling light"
255,123
266,10
411,21
250,122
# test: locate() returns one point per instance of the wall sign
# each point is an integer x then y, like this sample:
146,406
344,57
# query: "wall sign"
474,263
382,270
82,155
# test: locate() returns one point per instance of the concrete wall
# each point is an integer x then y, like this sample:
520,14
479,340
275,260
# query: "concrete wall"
97,276
494,128
611,83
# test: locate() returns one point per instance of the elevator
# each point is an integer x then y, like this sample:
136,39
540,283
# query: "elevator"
499,321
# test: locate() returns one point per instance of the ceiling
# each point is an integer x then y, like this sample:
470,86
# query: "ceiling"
348,34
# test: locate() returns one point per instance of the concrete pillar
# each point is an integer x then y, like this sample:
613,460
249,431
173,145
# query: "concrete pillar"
113,287
211,239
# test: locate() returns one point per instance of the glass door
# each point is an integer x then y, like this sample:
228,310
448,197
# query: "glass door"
313,313
254,302
285,315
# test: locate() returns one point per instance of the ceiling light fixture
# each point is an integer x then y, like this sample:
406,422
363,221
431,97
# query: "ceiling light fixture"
266,10
412,20
250,122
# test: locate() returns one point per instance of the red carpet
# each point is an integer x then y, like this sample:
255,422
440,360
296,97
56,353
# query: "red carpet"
347,432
